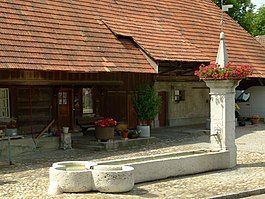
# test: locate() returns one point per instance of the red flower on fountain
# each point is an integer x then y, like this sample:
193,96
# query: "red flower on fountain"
230,71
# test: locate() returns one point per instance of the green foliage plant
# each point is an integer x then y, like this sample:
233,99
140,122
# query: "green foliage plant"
259,22
242,12
146,103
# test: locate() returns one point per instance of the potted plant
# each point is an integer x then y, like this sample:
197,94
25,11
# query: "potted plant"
255,119
134,133
146,104
125,133
241,121
105,129
122,130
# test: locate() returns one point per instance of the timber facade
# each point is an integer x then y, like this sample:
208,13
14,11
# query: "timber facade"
37,97
65,60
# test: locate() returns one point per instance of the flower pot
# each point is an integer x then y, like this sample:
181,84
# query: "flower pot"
254,120
145,130
241,123
11,132
104,133
65,129
124,134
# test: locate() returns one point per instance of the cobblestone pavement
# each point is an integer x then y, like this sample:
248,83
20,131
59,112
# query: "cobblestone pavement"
28,178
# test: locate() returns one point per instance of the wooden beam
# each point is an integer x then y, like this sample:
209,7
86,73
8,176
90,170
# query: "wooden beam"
59,82
44,129
176,78
201,88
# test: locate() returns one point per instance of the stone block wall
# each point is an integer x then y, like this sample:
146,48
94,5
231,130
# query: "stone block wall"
194,109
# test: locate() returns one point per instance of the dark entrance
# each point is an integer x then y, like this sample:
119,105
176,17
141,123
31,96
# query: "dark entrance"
162,116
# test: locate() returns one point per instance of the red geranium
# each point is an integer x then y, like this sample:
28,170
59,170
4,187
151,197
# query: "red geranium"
213,71
108,122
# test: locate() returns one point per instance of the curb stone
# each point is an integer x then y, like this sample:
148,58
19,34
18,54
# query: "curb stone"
240,194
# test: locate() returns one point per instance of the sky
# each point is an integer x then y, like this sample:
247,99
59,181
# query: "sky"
258,3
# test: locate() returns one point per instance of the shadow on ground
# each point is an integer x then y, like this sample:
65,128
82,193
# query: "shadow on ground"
7,182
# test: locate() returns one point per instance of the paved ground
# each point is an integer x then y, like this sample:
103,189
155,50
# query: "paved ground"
28,178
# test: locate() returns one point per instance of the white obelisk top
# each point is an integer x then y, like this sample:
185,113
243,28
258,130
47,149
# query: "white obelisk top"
222,57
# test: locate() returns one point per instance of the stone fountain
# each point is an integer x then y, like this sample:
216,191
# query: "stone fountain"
120,175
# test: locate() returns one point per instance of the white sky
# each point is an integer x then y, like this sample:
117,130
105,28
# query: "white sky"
258,3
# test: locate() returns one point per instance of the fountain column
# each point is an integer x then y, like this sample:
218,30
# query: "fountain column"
223,117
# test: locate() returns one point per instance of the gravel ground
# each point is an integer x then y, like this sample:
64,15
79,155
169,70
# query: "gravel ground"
28,178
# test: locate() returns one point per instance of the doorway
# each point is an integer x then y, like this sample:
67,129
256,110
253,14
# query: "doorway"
65,107
163,112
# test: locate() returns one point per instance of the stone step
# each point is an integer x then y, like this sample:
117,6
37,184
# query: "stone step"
86,146
113,144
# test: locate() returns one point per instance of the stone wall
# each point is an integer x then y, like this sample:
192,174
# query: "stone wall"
194,109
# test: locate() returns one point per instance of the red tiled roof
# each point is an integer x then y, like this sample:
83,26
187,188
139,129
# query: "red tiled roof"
63,35
77,35
185,30
261,39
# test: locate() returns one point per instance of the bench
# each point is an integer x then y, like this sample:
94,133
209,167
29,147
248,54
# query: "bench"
87,123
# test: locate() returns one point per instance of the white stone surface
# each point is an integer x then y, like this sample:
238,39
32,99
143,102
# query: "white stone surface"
54,189
66,177
112,179
157,167
66,141
71,180
223,116
222,57
86,164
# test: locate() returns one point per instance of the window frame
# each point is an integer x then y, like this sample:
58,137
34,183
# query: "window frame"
5,100
85,110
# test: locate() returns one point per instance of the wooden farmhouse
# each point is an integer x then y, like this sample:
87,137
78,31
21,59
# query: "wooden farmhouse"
62,61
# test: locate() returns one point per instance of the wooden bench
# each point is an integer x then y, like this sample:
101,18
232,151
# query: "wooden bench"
87,123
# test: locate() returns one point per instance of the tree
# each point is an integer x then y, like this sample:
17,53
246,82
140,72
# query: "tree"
259,22
146,103
242,12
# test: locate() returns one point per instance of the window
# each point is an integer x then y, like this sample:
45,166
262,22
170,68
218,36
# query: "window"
87,101
4,103
179,95
242,97
62,98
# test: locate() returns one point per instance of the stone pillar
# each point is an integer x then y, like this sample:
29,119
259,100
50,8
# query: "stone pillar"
66,141
223,116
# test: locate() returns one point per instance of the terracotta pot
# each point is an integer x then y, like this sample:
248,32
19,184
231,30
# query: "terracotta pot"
104,133
124,134
254,120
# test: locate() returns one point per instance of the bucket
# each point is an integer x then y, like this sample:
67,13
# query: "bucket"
65,129
145,131
11,132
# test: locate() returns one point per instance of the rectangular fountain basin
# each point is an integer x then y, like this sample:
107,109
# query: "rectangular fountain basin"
155,167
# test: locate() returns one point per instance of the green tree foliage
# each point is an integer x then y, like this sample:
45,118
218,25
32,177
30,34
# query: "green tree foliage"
146,103
259,22
242,12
